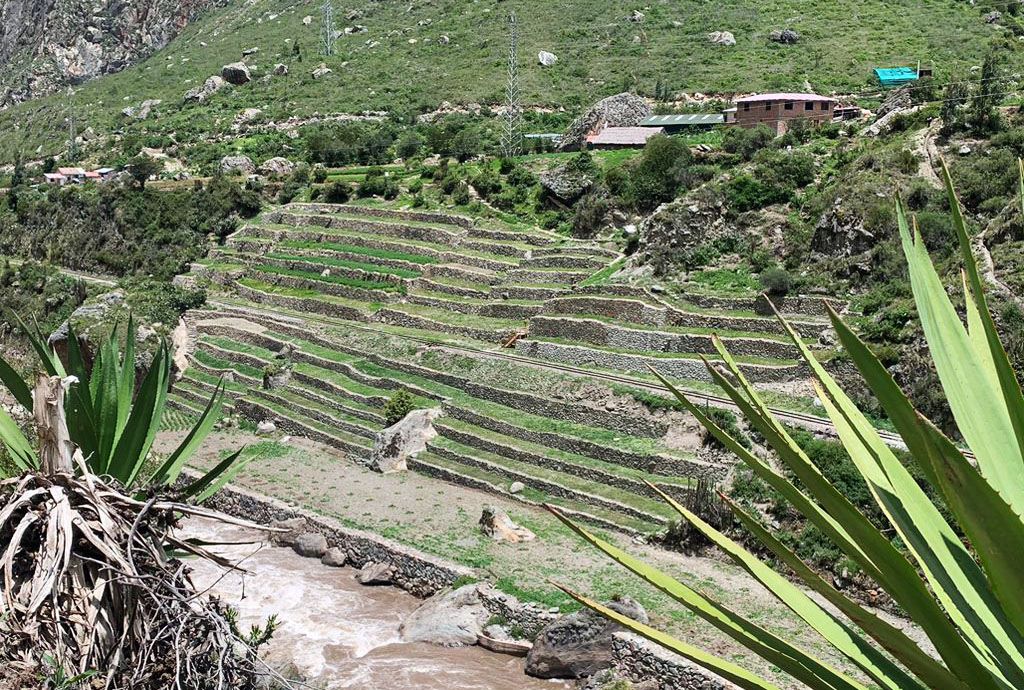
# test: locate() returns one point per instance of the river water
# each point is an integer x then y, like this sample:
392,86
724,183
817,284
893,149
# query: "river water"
338,633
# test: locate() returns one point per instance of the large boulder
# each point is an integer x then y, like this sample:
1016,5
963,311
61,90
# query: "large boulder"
620,110
236,73
209,87
375,574
237,164
396,444
496,524
450,619
310,545
786,36
546,59
722,38
276,167
142,110
568,182
678,227
579,644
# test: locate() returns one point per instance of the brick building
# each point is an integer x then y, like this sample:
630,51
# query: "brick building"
777,110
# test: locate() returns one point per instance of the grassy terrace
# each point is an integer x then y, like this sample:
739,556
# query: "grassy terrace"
335,279
347,213
766,361
357,249
304,293
455,318
344,263
683,330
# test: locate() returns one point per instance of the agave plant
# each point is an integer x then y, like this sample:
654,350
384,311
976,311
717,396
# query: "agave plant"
968,600
111,418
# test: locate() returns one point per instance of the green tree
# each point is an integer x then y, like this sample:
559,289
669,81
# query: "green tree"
966,600
398,406
142,167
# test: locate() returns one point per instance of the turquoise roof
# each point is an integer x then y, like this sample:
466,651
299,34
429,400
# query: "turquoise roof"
895,76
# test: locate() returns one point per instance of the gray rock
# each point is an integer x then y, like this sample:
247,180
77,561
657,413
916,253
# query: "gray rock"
620,110
396,444
993,17
294,526
568,182
321,71
211,86
237,164
307,20
722,38
516,487
375,574
250,51
276,167
636,16
579,644
964,150
142,110
450,619
786,36
443,39
280,69
236,73
546,59
496,524
334,557
310,545
266,428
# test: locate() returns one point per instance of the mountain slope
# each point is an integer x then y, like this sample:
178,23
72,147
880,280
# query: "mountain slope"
413,56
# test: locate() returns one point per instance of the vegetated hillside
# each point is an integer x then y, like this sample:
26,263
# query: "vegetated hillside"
408,57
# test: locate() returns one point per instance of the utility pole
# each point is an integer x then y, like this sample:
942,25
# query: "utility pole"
327,33
512,136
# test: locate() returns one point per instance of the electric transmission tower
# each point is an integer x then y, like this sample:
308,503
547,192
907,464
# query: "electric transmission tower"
327,33
72,153
512,136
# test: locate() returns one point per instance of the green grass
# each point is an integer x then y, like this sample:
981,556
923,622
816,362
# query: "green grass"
215,362
305,293
362,251
336,280
345,263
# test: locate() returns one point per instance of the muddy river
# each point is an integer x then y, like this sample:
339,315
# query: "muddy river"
338,633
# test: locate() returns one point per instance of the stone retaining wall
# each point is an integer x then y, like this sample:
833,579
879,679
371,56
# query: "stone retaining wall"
349,256
512,236
316,269
534,293
492,310
563,261
417,216
482,245
640,660
479,261
303,304
410,232
335,289
457,290
675,367
400,318
525,275
610,335
459,273
255,412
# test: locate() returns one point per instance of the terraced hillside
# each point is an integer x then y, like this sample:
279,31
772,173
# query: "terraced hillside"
342,305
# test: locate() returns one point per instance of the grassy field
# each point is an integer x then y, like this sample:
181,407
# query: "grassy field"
410,68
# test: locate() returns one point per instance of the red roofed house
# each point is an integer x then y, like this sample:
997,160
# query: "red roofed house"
92,176
55,179
777,109
622,137
73,174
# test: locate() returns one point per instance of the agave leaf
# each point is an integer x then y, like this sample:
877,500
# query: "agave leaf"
130,453
214,480
15,384
105,372
168,472
995,531
81,417
789,658
47,357
22,453
969,377
126,381
725,669
954,576
891,638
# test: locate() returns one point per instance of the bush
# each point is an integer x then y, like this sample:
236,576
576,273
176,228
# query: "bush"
460,195
319,174
776,281
398,406
589,214
339,192
747,142
745,193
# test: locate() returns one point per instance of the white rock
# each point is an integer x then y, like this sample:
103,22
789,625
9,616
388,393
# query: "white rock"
516,487
547,59
266,428
449,619
722,38
396,444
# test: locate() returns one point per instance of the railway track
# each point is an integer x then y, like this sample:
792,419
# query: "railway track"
798,419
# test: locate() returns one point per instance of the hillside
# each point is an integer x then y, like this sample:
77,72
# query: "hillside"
414,56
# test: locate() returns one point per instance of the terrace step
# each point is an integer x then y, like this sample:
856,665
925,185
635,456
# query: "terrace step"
502,309
321,411
471,274
327,222
367,417
298,424
566,261
426,318
474,477
535,239
453,287
414,216
548,276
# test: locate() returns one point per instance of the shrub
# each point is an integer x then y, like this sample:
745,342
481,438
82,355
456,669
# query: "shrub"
589,214
460,195
746,142
339,192
398,406
776,281
319,174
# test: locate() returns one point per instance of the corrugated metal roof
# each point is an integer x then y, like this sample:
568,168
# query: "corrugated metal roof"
684,119
783,97
896,75
624,136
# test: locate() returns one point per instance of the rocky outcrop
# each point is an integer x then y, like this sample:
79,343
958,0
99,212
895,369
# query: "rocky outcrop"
236,73
142,110
786,36
276,167
722,38
496,524
450,619
45,46
209,87
579,644
679,226
621,110
567,182
396,444
237,164
840,232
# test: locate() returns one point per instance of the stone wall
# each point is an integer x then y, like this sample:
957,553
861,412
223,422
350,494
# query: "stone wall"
610,335
513,236
334,289
669,367
460,273
416,216
640,660
482,245
557,276
400,318
303,304
493,310
459,291
424,233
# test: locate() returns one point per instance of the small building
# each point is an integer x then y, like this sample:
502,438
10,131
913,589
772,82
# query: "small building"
846,112
673,124
92,176
73,174
622,137
105,173
55,179
894,77
778,110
